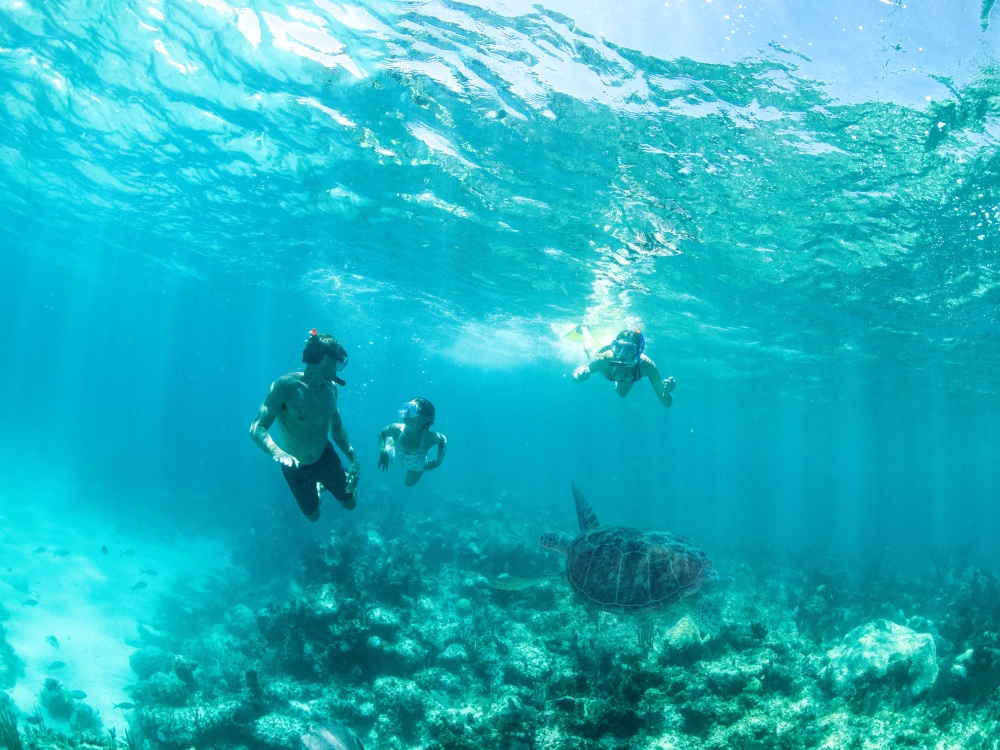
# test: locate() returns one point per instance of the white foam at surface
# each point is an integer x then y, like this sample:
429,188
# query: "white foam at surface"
310,42
249,26
337,117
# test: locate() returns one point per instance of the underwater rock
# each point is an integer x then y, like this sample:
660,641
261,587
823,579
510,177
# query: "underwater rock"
242,622
383,622
184,669
163,689
331,736
148,660
277,731
56,700
959,667
453,658
85,719
10,666
883,651
400,703
463,607
683,644
526,665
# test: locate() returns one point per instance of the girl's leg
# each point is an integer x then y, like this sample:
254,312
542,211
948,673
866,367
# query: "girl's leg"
589,347
412,477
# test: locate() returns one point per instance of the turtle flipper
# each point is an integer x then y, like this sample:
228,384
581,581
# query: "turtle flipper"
516,584
584,513
705,614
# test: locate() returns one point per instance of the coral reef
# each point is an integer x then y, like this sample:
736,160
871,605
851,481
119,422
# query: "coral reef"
390,631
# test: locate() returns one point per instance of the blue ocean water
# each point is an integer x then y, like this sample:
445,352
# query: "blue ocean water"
796,204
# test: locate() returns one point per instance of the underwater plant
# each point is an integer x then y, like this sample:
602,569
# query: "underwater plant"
10,739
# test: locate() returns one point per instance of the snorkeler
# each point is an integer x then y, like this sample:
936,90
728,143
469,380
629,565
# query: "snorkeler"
624,363
406,443
305,405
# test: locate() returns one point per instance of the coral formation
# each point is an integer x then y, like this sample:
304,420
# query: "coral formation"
390,631
881,652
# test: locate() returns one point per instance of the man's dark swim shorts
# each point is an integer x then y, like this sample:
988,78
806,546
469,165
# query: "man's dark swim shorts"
328,471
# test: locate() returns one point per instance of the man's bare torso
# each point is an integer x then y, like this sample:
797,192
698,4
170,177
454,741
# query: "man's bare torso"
305,416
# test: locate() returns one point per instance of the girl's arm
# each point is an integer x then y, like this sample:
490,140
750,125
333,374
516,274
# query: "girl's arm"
442,446
662,388
387,431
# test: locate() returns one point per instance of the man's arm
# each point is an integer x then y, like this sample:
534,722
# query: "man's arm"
343,441
266,415
661,387
442,446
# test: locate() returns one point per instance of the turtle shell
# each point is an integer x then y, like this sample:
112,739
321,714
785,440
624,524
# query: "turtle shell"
629,572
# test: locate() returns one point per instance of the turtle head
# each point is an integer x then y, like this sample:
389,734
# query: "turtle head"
557,540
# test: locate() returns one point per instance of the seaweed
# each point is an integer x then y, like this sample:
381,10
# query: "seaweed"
10,738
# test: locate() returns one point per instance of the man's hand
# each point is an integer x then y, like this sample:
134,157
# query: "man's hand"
383,460
581,373
286,459
669,384
353,474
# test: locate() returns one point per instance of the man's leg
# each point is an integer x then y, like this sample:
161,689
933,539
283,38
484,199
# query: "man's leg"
334,478
302,483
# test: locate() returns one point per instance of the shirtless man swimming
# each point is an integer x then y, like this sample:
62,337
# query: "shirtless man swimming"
624,363
305,405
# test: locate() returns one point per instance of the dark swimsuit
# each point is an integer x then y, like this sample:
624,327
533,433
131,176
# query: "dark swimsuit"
636,374
328,471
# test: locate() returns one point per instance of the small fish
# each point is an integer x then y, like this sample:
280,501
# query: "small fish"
140,585
127,553
149,572
60,553
124,706
57,665
104,548
52,641
38,550
29,603
77,695
33,719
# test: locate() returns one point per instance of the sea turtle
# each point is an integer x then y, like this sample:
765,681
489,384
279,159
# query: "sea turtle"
628,571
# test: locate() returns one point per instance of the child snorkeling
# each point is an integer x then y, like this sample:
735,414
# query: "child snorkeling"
406,443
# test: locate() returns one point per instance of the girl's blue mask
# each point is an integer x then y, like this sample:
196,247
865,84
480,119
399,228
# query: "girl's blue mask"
409,410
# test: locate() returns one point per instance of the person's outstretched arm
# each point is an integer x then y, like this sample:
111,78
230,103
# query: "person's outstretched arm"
661,387
266,415
442,446
343,441
599,366
383,455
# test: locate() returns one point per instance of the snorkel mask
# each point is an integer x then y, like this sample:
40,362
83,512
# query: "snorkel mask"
409,410
627,348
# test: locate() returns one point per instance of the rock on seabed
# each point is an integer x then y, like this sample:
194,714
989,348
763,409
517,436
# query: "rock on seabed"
870,652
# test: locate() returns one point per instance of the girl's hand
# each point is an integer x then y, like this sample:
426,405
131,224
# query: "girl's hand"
383,460
432,464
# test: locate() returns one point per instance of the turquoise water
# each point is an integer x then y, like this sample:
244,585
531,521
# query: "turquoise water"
797,205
